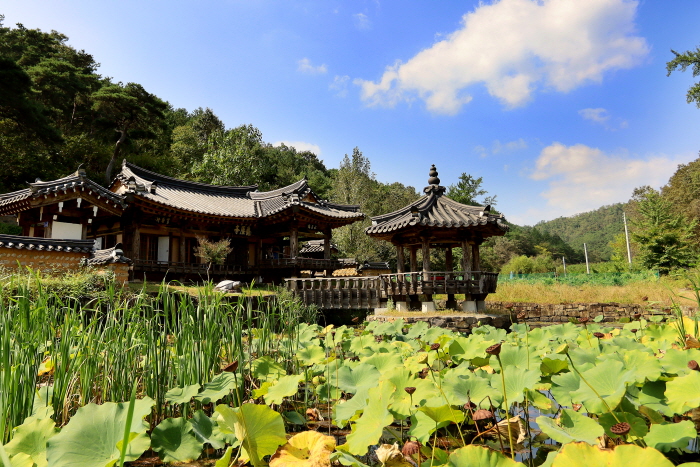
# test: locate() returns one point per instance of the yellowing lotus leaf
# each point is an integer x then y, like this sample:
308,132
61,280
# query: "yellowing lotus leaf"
390,456
305,449
585,455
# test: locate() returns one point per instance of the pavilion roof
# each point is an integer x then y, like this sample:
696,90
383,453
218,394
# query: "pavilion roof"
77,183
227,201
436,211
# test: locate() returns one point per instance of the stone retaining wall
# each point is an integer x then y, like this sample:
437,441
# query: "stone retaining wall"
455,323
561,313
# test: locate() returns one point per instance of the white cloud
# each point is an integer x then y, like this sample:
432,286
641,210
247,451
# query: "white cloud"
300,146
582,178
361,21
340,85
512,47
304,65
500,148
602,117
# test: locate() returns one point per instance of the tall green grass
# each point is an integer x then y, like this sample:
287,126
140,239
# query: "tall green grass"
99,345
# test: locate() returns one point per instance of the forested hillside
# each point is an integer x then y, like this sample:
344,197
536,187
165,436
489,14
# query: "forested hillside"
595,228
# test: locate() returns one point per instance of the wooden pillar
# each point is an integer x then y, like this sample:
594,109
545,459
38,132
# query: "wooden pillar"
327,235
136,244
259,252
448,259
466,256
476,261
294,241
183,249
412,259
400,260
425,250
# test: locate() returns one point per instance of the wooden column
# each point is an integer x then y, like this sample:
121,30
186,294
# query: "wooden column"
412,259
294,241
400,260
448,259
136,244
259,256
327,235
476,261
425,250
466,256
183,249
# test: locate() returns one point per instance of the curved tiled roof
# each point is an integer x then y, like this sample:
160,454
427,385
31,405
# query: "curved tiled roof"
46,244
436,211
226,201
316,246
75,181
108,256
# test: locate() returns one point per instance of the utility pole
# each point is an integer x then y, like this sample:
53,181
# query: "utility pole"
627,239
585,252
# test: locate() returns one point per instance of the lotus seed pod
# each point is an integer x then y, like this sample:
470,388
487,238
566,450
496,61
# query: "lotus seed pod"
482,414
634,331
469,406
637,316
411,448
521,315
410,390
435,346
621,428
599,335
577,407
495,349
583,320
693,365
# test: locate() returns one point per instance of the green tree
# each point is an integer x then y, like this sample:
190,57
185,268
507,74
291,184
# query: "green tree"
665,236
468,189
127,108
683,61
212,252
233,157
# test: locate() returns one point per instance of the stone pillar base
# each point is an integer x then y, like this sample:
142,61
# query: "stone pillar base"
469,306
401,306
427,307
480,305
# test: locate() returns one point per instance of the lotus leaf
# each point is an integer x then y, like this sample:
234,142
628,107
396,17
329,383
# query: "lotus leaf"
42,407
423,426
651,395
266,369
554,364
655,332
390,456
467,348
363,376
369,427
513,356
346,459
481,456
219,387
30,438
225,460
328,392
174,441
259,429
572,426
472,388
585,455
606,381
443,413
643,365
683,393
638,427
585,358
401,401
286,386
294,418
21,460
345,411
262,390
384,361
673,435
539,400
564,384
417,330
311,355
182,395
566,332
206,431
676,361
389,328
517,381
360,343
94,435
435,334
305,449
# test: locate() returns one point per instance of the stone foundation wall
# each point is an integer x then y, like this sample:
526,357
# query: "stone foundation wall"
41,260
455,323
120,270
561,313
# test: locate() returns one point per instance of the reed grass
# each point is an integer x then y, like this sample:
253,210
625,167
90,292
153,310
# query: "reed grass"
100,344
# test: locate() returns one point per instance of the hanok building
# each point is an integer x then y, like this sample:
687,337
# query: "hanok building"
158,220
436,221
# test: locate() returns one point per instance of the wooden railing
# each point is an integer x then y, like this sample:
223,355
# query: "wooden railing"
439,282
367,292
147,265
302,263
337,292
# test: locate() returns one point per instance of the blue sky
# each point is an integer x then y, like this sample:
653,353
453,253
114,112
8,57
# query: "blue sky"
560,105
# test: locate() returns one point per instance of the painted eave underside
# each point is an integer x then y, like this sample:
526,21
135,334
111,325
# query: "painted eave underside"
227,201
11,203
439,212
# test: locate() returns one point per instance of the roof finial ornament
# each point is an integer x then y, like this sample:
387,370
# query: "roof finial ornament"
433,180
